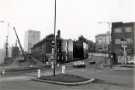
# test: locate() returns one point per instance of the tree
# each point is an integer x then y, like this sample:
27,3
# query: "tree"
82,39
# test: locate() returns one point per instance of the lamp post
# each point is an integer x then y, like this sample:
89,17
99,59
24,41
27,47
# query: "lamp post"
109,29
54,48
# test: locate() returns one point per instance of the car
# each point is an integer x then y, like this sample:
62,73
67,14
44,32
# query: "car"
132,61
91,62
79,64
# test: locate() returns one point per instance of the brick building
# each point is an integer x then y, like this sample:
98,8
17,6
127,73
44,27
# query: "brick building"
122,32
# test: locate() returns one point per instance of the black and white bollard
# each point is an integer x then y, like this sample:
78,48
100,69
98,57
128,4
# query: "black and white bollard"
38,73
63,68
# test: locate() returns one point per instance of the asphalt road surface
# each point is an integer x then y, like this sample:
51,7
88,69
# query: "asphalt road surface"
107,79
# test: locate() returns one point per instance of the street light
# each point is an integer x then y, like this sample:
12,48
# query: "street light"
109,29
54,49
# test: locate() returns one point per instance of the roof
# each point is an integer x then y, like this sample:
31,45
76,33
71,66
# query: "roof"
43,40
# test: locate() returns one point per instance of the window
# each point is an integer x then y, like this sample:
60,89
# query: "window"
128,29
129,40
117,41
117,30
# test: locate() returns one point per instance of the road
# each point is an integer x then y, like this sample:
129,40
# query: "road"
107,79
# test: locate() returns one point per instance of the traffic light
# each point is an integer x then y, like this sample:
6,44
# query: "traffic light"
59,48
53,44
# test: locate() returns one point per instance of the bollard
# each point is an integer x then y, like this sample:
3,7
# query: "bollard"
38,73
52,65
3,72
63,68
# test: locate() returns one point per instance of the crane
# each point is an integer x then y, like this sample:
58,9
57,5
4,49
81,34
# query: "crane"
19,42
26,56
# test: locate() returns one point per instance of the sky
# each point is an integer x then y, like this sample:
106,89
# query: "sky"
74,17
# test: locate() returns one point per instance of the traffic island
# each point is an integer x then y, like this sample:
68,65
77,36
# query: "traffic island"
64,79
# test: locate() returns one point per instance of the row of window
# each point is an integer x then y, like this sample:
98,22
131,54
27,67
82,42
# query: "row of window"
119,30
129,41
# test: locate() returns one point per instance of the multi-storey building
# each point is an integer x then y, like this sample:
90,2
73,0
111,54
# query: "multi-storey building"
102,42
31,38
123,40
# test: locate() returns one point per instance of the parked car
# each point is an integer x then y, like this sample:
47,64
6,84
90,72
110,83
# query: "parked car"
132,61
79,64
92,62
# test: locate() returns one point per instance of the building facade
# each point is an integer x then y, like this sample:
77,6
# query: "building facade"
15,51
102,42
43,49
31,38
123,40
2,56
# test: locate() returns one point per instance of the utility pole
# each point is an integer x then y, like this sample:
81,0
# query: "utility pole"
55,48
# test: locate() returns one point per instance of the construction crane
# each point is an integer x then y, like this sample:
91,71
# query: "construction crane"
19,43
27,57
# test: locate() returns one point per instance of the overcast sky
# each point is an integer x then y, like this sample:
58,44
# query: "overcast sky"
74,17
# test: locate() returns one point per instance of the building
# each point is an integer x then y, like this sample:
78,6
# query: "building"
42,50
9,52
102,42
123,41
2,56
15,51
31,38
67,49
91,46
